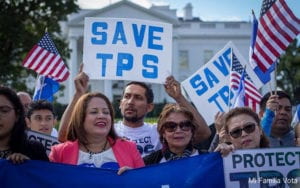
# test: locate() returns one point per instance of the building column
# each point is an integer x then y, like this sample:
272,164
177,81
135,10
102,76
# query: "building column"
108,89
73,66
175,58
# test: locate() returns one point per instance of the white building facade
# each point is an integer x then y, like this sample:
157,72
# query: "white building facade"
194,43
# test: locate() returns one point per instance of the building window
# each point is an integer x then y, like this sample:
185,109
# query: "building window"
185,25
183,59
207,55
232,25
207,25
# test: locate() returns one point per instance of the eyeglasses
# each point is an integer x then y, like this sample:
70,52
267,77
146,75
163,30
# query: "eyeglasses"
171,126
5,109
248,128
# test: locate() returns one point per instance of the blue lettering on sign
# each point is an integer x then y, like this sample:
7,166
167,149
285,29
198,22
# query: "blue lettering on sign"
210,77
119,34
146,73
222,67
121,65
138,34
227,56
213,98
200,85
103,57
223,93
102,35
196,83
152,37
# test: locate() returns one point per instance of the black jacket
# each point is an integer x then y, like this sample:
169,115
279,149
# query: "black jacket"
155,157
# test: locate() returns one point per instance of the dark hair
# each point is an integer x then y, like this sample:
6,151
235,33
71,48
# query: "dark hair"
18,135
264,142
76,129
263,101
39,105
148,93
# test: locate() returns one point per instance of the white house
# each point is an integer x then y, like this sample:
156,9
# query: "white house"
194,42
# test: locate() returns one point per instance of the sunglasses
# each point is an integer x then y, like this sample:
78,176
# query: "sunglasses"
171,126
248,128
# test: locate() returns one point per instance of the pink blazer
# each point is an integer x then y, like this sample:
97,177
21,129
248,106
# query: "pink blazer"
125,152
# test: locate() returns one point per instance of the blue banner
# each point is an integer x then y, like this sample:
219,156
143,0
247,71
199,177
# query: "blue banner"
200,171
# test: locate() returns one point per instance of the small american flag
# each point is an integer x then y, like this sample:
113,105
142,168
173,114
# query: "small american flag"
44,59
252,96
277,28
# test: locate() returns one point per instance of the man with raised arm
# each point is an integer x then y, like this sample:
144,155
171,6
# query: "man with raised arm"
136,102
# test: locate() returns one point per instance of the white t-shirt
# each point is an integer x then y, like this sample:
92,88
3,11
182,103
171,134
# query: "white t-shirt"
54,132
146,137
105,159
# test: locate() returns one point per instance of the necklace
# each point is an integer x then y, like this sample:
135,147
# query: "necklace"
92,153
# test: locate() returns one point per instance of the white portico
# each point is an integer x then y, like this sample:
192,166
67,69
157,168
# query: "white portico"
194,42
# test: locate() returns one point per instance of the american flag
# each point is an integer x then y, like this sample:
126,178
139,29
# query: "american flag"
44,59
277,28
252,96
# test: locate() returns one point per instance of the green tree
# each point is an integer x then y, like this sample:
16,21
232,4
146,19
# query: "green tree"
288,71
22,24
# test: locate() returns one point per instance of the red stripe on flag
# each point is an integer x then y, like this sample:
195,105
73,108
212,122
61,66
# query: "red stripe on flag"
269,46
280,30
259,63
29,54
65,76
47,65
54,67
291,14
271,34
42,61
263,54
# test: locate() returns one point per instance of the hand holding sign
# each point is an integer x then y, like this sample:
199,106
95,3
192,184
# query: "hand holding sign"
127,49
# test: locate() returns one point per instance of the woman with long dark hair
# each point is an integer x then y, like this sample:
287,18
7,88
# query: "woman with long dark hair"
13,139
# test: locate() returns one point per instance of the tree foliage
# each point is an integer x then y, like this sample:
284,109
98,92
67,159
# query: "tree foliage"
288,72
22,25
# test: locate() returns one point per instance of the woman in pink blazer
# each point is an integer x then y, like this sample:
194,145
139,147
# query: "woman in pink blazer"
92,141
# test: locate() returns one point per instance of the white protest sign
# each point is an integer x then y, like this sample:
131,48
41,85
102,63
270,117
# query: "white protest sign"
127,49
46,140
208,88
274,167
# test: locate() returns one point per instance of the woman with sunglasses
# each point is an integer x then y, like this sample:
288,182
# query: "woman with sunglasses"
176,128
244,131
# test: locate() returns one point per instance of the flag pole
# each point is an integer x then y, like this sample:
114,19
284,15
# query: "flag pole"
231,57
275,77
42,87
